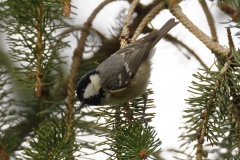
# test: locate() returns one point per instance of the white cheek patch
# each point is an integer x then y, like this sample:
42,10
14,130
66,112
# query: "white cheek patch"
93,87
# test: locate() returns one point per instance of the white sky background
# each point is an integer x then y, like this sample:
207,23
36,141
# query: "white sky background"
172,71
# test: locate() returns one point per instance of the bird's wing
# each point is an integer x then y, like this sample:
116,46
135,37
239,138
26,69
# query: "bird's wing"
119,69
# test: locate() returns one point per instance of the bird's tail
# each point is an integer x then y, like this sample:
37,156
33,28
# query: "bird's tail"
158,34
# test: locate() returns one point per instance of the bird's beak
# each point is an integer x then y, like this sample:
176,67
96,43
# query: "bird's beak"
80,106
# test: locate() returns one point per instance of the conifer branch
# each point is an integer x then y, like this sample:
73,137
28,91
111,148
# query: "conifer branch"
205,115
129,114
212,45
67,8
209,19
233,91
124,37
76,59
229,9
148,18
124,40
3,154
39,85
230,40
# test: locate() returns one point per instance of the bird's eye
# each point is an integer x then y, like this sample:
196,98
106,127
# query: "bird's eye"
83,90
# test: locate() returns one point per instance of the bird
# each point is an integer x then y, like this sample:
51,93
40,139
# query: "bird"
124,75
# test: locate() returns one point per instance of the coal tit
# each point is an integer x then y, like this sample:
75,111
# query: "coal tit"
124,75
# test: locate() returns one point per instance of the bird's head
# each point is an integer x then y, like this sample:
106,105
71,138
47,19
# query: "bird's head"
89,89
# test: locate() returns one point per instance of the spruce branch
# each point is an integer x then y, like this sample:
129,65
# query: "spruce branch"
124,40
129,114
76,59
215,109
39,85
30,28
208,109
125,34
231,140
209,19
230,8
135,142
3,154
12,136
209,114
66,8
5,102
211,44
234,90
124,37
154,11
50,142
132,142
141,11
70,30
230,40
118,117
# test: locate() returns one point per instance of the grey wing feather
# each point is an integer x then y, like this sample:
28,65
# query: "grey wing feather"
133,55
113,77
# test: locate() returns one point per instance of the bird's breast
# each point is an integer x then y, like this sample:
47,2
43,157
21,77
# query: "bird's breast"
136,87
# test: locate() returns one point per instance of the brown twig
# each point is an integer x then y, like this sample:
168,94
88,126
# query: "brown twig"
70,30
67,8
209,19
230,40
147,19
125,32
212,45
76,59
141,11
175,40
3,153
233,92
230,10
124,39
39,85
205,114
128,112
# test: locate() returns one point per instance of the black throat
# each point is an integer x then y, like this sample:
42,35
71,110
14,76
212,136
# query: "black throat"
96,99
81,86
